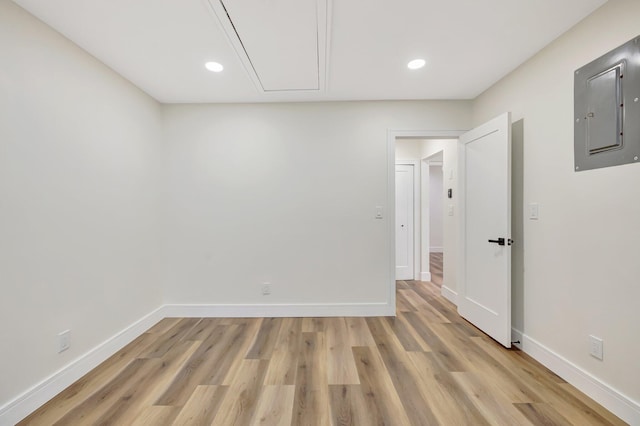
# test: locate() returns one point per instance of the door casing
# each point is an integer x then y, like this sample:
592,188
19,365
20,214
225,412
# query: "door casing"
392,135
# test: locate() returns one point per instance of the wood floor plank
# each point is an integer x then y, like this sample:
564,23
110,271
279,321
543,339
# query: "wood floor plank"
311,403
402,304
406,334
203,367
275,406
101,401
164,325
494,405
440,350
239,404
266,339
233,358
449,405
402,373
283,364
359,334
542,414
401,285
381,398
202,406
203,329
147,389
341,367
313,325
348,406
156,415
420,304
172,337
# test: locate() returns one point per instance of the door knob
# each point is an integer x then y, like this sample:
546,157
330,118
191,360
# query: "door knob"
501,241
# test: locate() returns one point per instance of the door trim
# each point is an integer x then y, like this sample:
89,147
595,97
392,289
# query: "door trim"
392,134
425,216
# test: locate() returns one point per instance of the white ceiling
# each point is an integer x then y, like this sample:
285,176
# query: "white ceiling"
161,45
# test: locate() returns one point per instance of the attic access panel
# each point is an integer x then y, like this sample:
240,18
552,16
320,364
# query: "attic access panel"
607,109
282,44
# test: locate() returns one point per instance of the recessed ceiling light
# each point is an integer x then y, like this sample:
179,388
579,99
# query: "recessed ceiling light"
214,66
416,64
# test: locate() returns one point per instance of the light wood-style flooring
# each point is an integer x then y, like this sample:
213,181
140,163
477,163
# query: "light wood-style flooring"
435,267
427,366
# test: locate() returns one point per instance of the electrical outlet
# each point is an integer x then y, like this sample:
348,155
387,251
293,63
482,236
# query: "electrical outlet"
64,340
596,347
266,289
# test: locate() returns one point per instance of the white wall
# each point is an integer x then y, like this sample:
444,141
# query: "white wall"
581,258
436,206
78,238
285,193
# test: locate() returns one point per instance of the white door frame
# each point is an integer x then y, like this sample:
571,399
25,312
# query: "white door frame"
425,216
392,134
416,212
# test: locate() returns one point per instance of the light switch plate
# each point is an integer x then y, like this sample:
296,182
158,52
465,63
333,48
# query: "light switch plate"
534,211
379,212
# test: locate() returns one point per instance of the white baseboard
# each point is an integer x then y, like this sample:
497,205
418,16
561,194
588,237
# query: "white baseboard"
27,402
281,310
614,401
449,294
425,276
436,249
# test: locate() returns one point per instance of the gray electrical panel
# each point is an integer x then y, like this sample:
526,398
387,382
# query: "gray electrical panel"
607,109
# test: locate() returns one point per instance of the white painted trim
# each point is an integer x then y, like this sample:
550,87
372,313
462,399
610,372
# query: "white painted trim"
425,134
436,249
425,216
613,400
34,397
449,294
280,310
425,276
391,217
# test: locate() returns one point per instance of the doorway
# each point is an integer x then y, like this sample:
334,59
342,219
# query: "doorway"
427,149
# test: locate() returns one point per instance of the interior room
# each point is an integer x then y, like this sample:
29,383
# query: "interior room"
142,192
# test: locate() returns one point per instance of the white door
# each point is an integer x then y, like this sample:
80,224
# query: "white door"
485,205
404,222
